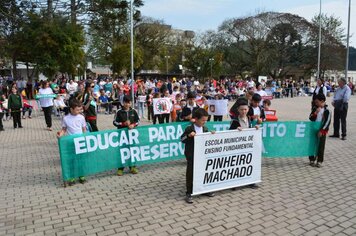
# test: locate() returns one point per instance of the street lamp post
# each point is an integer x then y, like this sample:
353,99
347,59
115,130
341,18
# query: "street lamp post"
167,57
132,52
319,44
348,40
211,66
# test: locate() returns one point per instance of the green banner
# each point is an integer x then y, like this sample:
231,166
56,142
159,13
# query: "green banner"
91,153
38,96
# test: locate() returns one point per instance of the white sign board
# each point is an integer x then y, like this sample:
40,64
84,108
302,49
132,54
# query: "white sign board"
218,107
162,106
261,77
226,160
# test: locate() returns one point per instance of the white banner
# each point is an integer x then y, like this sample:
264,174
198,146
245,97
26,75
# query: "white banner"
218,107
162,106
226,160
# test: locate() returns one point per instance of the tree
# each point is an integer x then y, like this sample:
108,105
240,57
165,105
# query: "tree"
333,51
109,27
153,37
11,20
52,46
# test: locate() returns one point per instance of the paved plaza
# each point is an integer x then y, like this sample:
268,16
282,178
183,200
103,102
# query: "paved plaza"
293,198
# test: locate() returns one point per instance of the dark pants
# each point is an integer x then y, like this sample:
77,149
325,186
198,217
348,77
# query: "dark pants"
93,125
48,116
1,125
189,175
340,114
150,112
164,117
321,148
16,117
157,117
29,109
218,118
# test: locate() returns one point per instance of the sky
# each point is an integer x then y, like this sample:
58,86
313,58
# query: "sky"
201,15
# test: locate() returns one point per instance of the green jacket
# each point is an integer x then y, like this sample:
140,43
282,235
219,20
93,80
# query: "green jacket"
15,102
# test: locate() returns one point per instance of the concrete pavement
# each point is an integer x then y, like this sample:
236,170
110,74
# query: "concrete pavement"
293,198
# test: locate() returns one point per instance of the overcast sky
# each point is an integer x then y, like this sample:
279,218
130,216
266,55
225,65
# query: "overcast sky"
201,15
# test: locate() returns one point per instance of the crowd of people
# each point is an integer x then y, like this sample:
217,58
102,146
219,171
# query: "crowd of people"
80,102
106,95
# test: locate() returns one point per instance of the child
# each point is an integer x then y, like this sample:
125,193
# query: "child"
126,118
26,107
15,107
256,112
2,111
270,114
156,116
104,102
182,103
200,118
74,123
190,108
242,121
218,118
266,104
320,113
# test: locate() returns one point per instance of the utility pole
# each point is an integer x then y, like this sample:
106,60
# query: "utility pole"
132,52
319,47
347,44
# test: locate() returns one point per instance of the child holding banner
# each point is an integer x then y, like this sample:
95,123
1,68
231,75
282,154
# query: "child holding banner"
256,112
74,123
126,118
320,113
242,120
200,118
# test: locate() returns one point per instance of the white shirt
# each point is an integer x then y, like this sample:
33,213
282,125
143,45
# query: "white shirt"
319,116
46,102
74,124
256,111
261,93
250,84
59,103
72,88
198,130
325,90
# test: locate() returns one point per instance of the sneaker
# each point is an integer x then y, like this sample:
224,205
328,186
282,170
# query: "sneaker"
209,194
30,117
189,198
343,138
318,165
71,182
312,163
21,126
24,117
133,170
120,172
49,129
82,180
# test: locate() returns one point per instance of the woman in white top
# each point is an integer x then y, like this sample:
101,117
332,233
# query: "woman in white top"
46,103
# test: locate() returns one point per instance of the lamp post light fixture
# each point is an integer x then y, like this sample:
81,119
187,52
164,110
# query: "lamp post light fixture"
211,66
